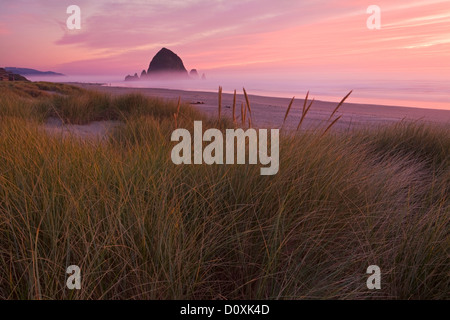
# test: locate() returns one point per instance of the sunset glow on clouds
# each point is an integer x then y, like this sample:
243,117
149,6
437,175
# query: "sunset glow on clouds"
329,36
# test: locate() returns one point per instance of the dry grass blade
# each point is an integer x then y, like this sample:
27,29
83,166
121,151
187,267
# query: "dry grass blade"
249,118
176,115
248,102
287,111
242,114
331,124
305,111
234,107
339,105
304,102
220,102
178,106
245,113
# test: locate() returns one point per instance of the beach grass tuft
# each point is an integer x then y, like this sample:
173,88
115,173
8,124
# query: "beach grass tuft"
141,227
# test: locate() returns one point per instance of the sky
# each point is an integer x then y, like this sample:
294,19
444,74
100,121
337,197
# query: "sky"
283,37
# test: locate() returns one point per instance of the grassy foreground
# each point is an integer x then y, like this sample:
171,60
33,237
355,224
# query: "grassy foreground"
141,227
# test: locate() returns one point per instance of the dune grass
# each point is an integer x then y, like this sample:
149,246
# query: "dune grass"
141,227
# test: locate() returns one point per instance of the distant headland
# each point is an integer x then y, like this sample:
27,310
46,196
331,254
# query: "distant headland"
165,65
32,72
10,76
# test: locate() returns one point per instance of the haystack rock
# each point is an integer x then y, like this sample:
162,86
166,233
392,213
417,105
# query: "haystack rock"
166,64
193,74
203,77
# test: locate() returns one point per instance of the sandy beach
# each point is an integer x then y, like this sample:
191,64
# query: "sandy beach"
269,112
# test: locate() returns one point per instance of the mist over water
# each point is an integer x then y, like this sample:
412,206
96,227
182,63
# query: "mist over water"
430,94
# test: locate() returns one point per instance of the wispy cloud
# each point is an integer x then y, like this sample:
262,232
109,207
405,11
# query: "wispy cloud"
286,35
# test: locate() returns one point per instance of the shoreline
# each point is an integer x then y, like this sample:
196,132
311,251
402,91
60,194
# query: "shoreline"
270,111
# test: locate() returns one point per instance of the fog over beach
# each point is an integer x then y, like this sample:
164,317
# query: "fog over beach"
426,94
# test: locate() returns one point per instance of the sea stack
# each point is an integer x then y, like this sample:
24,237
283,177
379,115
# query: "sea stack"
166,64
132,78
194,74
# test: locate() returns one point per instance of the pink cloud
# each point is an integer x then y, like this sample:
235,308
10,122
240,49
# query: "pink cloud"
248,35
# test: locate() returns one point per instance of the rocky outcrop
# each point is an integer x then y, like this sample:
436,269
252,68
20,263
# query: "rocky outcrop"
165,65
132,78
9,76
193,74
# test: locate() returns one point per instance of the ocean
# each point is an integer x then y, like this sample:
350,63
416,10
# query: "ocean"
432,94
